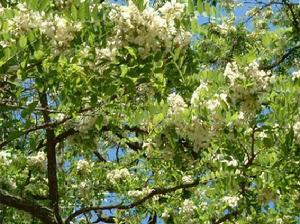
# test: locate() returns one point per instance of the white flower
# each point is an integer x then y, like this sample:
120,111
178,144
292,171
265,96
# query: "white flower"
165,214
296,129
241,115
188,207
231,201
212,105
83,166
140,193
38,160
176,103
116,175
187,179
150,30
232,72
171,10
233,162
296,75
1,9
262,135
261,78
197,93
5,157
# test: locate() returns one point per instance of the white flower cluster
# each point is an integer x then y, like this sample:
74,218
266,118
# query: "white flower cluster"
5,157
59,29
231,201
176,103
233,162
188,207
86,123
38,160
201,134
83,166
296,75
150,30
116,175
1,9
140,193
202,131
246,95
55,27
187,179
296,129
198,93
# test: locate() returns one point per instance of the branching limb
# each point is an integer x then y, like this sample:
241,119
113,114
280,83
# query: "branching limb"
51,160
155,191
42,213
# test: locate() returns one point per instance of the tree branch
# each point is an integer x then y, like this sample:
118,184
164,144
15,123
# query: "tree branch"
42,213
155,191
282,59
51,158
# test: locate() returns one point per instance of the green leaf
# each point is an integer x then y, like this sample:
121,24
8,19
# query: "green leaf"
131,51
207,8
74,12
30,108
43,4
200,6
38,54
191,7
99,123
23,41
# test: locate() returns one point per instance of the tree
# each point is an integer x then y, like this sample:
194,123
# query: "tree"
186,112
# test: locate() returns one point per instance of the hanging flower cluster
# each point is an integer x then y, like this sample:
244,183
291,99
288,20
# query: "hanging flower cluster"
246,86
149,30
38,160
55,27
117,175
204,117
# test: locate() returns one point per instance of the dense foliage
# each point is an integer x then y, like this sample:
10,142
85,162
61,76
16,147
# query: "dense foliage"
159,112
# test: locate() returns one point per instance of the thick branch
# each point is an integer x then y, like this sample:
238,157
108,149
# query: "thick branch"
282,59
155,191
51,158
226,217
42,213
38,127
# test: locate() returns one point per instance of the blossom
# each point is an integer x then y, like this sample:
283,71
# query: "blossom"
260,77
232,72
201,135
197,93
165,214
116,175
172,10
86,123
5,157
246,95
296,75
55,27
231,201
187,179
150,30
176,103
140,193
38,160
212,105
296,128
188,207
83,166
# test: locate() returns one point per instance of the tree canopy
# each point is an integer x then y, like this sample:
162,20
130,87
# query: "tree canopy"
134,112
